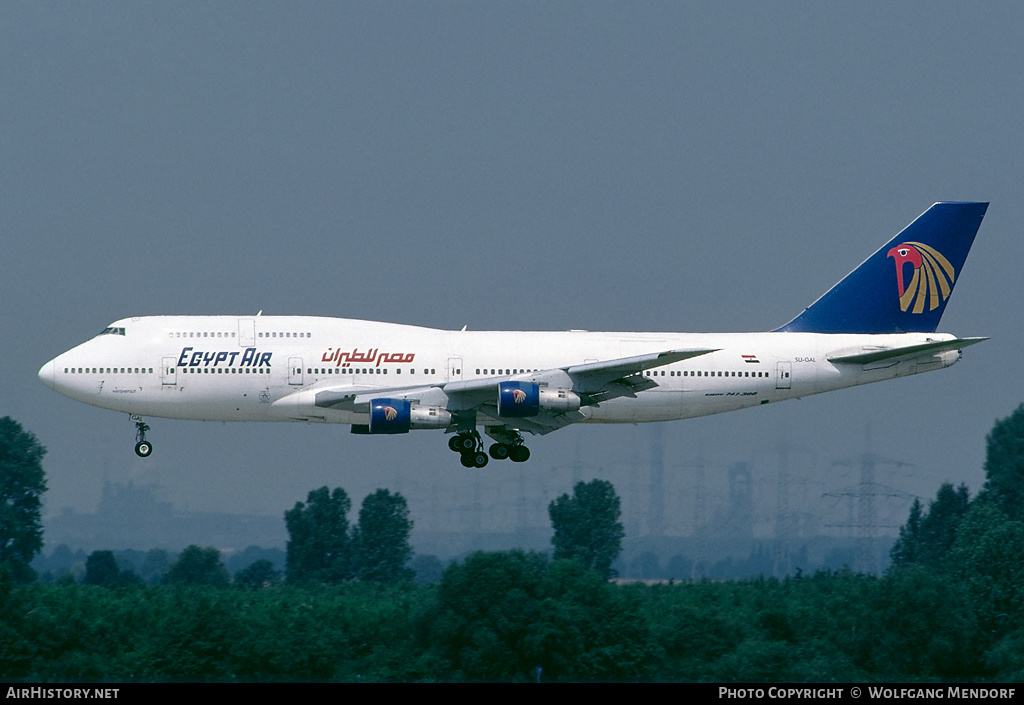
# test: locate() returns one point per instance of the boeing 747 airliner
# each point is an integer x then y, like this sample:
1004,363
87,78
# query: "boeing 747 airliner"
877,323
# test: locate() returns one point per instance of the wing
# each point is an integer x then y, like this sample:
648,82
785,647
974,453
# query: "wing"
592,382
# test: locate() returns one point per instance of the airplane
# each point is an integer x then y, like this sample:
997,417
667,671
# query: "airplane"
877,323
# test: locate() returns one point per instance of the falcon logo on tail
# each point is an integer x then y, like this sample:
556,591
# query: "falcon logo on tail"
932,280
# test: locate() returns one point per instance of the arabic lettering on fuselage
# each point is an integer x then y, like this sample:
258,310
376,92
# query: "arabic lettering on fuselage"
370,357
251,357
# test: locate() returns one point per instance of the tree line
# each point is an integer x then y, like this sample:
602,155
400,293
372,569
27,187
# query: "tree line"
950,607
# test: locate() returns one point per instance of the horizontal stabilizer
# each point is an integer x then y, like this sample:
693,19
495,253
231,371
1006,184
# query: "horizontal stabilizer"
865,356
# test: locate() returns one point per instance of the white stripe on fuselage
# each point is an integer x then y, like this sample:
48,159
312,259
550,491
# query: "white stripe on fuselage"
229,368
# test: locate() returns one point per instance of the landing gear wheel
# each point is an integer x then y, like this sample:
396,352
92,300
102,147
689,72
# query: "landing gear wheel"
143,448
499,451
474,459
462,443
519,454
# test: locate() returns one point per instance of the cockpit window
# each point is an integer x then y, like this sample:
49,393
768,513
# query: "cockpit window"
112,331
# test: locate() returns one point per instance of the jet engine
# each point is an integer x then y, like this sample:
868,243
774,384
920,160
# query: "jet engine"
399,416
521,399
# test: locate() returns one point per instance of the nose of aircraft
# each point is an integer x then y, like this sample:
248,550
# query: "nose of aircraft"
46,374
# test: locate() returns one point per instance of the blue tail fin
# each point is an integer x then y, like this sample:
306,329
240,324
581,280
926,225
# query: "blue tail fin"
905,285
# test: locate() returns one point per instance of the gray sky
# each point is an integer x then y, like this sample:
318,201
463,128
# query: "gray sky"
627,166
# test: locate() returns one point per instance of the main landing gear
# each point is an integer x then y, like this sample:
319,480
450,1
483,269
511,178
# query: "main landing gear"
470,446
143,448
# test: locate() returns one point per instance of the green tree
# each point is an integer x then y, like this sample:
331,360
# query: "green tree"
22,483
155,566
198,566
906,550
587,526
988,558
319,545
381,539
101,569
502,614
1004,465
488,610
926,539
258,574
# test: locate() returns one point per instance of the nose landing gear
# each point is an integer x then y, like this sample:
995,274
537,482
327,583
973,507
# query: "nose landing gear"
143,448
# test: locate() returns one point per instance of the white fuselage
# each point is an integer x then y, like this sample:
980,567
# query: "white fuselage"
269,368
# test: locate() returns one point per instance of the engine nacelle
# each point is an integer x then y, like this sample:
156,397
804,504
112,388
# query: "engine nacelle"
522,399
399,416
